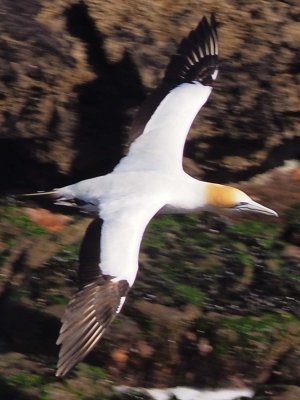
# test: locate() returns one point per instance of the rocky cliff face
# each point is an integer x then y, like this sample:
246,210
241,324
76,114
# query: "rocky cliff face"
72,75
74,72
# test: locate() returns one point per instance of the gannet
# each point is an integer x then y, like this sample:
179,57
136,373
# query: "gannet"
150,179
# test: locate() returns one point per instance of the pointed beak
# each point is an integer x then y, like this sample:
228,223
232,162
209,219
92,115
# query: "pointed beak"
257,208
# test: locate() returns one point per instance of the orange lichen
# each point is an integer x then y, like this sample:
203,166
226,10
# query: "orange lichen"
120,356
48,220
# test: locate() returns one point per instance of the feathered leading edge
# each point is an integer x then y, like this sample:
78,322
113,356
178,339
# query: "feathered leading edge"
94,306
196,60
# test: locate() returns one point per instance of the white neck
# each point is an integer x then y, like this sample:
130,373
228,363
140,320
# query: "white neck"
188,195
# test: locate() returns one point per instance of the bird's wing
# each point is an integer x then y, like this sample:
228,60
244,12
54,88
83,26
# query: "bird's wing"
108,264
163,122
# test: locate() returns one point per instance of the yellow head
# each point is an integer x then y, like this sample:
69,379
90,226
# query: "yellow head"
220,196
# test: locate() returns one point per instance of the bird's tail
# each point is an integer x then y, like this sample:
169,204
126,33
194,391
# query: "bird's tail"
45,198
52,194
52,197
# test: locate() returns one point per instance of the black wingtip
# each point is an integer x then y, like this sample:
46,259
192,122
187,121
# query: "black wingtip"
197,56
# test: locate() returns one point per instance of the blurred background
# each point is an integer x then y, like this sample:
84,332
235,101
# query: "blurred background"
216,301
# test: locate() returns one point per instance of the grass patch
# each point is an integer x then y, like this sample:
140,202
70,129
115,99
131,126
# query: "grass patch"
57,299
251,337
19,294
91,372
155,236
8,239
249,325
292,217
24,380
70,252
266,232
190,294
253,331
15,216
143,321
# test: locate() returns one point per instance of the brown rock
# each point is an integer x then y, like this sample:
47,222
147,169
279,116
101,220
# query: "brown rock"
204,346
76,71
144,349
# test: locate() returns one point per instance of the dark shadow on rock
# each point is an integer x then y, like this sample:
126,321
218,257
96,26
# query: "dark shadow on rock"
247,126
104,103
21,169
31,331
28,51
219,146
28,330
11,392
195,369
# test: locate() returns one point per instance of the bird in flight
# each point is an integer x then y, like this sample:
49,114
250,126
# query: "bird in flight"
149,180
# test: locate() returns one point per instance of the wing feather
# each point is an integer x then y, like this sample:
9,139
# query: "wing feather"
83,327
159,131
197,56
102,292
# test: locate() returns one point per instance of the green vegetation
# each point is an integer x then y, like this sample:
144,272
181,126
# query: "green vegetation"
24,380
93,373
267,233
22,384
212,263
70,252
190,294
262,327
292,216
253,331
158,230
16,217
251,337
7,243
8,239
183,249
143,321
53,298
19,294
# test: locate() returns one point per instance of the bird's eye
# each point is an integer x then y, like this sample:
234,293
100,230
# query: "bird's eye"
242,203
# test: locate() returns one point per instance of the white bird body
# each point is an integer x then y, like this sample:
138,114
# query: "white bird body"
160,147
115,192
126,202
149,180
